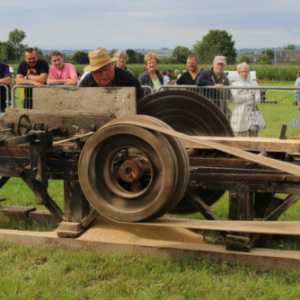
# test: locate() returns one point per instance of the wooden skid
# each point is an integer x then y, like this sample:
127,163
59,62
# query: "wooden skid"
263,259
261,227
247,143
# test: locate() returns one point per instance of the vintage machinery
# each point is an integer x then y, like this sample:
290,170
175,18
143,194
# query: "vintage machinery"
135,167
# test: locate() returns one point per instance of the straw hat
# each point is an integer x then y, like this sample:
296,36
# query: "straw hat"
98,59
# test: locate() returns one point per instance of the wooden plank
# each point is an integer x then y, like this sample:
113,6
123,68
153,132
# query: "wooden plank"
266,161
42,217
116,101
262,259
267,227
247,143
15,213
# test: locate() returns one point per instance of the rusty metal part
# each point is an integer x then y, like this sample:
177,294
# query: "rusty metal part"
193,114
23,124
100,172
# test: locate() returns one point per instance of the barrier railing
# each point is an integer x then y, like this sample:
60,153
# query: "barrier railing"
4,98
147,89
21,95
276,104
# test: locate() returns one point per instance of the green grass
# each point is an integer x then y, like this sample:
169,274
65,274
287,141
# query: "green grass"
51,273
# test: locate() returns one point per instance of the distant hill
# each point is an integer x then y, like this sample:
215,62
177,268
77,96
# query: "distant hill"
163,52
259,50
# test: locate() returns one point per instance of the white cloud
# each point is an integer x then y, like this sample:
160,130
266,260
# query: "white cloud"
138,24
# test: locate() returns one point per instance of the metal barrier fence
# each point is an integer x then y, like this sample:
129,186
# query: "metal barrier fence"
4,98
21,95
147,89
276,104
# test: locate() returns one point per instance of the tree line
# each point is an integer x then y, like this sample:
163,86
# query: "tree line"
216,42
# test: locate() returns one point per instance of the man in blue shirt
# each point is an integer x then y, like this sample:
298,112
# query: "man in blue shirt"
5,78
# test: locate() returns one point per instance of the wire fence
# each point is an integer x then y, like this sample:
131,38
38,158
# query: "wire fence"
277,103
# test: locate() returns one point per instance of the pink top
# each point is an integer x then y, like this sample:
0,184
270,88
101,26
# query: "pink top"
67,72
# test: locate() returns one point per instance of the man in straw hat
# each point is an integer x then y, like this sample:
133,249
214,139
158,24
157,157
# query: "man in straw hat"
105,74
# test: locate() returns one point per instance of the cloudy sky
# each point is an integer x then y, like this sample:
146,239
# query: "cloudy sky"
89,24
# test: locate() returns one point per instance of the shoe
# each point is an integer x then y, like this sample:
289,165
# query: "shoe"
295,102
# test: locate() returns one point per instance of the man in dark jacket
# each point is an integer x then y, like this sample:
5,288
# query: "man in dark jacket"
5,79
105,74
216,77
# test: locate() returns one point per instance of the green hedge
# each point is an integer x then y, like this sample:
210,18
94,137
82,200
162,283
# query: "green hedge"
286,73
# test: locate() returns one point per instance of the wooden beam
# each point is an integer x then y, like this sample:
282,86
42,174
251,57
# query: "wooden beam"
261,227
247,143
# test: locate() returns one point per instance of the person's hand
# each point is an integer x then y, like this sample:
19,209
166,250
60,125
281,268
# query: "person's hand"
218,86
38,84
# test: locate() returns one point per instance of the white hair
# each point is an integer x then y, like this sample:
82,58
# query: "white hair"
243,65
119,53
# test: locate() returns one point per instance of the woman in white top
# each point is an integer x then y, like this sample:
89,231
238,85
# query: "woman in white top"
245,101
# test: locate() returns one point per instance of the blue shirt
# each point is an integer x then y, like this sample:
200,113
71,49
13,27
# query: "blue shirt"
4,71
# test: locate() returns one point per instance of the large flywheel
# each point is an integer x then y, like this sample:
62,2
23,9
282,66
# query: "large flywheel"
192,114
129,173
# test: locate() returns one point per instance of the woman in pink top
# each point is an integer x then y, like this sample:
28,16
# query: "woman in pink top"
61,73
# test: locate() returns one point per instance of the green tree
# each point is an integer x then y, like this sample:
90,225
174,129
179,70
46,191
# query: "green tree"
270,53
7,52
290,47
134,57
140,58
112,52
246,59
180,54
15,38
216,42
39,52
264,60
81,57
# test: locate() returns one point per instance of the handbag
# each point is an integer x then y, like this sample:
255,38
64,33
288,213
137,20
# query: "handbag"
257,120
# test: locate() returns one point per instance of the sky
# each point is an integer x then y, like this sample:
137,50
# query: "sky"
133,24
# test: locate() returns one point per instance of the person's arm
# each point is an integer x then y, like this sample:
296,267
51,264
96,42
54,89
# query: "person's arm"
139,90
54,81
22,80
73,80
39,78
257,96
6,80
141,79
203,80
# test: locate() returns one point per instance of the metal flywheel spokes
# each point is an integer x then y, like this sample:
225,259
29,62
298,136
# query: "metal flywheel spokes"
129,173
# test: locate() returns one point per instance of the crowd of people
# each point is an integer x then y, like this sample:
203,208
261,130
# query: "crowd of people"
104,71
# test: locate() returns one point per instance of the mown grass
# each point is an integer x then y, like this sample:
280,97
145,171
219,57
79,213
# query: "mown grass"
51,273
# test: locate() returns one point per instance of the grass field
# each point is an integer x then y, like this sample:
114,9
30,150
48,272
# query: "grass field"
52,273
